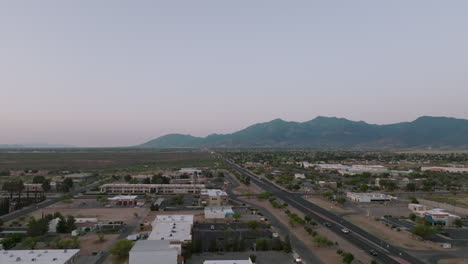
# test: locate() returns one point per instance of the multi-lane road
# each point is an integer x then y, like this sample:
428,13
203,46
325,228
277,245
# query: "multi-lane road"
386,253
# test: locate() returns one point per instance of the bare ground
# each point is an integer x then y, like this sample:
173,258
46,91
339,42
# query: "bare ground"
402,238
453,261
90,242
329,205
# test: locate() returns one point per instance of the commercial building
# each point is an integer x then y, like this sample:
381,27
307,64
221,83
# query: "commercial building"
446,169
78,177
218,212
299,176
53,225
369,197
152,188
125,200
248,261
435,216
213,197
33,187
190,171
324,184
86,224
43,256
153,251
172,228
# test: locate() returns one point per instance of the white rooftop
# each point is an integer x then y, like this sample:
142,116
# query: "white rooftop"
227,262
84,220
123,197
218,211
212,192
172,228
43,256
152,251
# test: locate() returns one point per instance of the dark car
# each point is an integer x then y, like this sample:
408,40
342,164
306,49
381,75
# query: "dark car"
373,252
445,234
327,224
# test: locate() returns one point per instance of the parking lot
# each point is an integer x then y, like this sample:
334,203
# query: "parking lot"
263,257
224,234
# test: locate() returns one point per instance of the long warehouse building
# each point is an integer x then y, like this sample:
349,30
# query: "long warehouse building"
125,188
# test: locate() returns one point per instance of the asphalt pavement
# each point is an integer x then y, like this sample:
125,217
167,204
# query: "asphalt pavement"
362,239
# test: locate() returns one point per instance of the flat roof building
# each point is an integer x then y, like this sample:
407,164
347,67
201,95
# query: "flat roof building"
130,200
218,212
153,251
446,169
434,216
190,171
248,261
172,228
42,256
213,197
369,197
152,188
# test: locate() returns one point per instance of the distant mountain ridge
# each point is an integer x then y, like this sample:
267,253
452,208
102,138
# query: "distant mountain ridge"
331,132
34,146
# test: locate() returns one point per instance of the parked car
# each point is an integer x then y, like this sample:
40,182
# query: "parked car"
444,233
327,224
373,252
344,230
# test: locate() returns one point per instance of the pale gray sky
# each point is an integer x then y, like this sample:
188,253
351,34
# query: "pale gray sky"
113,73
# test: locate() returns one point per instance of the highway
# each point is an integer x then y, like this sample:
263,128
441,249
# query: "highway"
386,253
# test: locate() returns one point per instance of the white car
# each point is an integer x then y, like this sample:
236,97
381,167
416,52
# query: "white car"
344,230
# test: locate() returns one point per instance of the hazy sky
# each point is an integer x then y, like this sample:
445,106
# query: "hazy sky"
113,73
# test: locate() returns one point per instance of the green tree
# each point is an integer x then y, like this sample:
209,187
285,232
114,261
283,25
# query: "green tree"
37,227
100,236
341,200
410,187
121,248
364,187
458,222
236,216
67,185
287,244
424,231
348,258
253,258
262,244
38,179
46,185
30,242
252,224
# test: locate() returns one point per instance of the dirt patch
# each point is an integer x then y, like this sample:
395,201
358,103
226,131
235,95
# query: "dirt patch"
453,261
329,205
90,242
402,238
243,189
123,214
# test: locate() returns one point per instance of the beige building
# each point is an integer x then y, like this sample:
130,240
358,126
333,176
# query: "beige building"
152,188
213,197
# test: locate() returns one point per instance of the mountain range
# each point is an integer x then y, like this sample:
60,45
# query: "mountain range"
331,132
